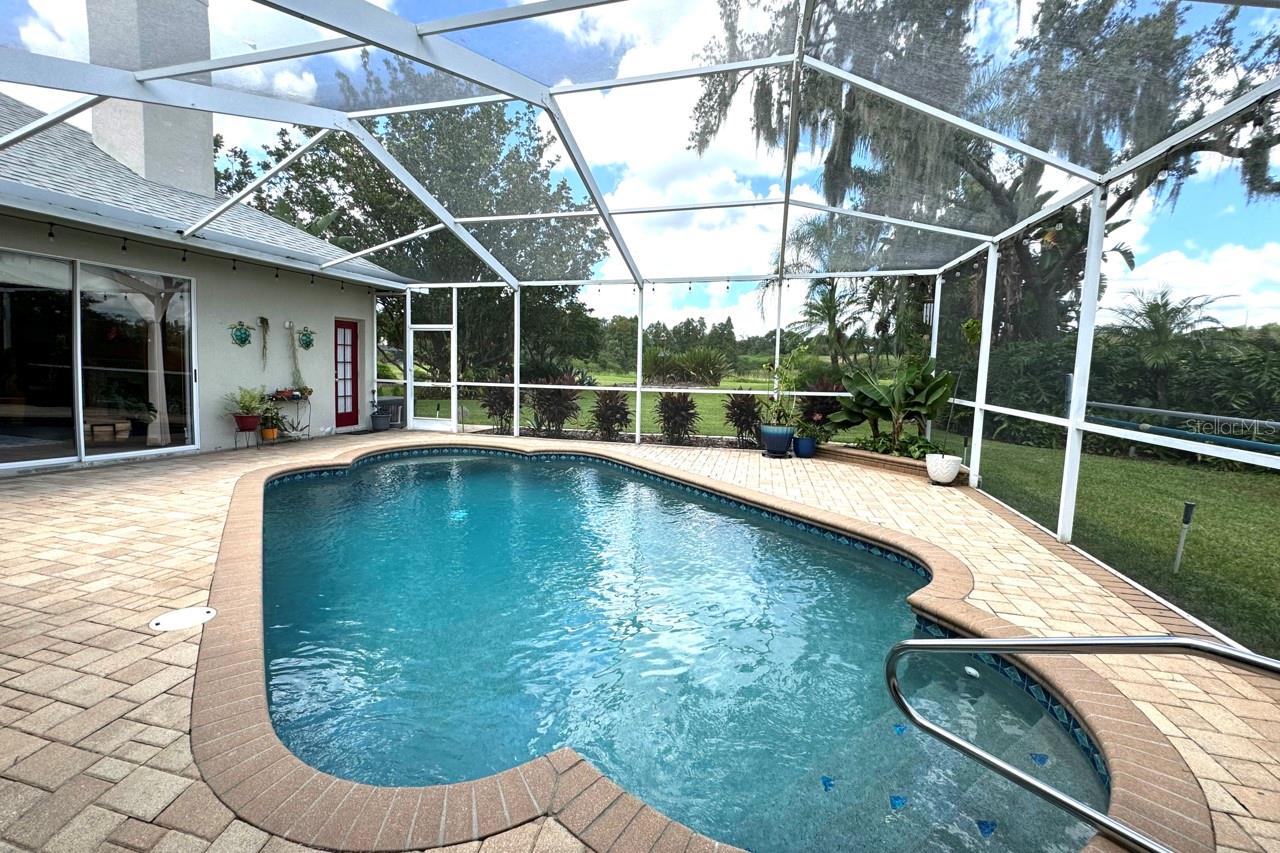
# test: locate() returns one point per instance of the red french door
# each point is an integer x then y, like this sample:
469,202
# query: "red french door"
346,374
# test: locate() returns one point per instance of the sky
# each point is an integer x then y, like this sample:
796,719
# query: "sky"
636,141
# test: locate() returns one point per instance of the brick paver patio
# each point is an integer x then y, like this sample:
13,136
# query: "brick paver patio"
95,749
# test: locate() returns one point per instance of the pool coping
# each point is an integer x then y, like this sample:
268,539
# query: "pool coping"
250,770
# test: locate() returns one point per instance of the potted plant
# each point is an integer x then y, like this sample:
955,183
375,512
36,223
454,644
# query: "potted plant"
811,432
271,422
246,406
779,424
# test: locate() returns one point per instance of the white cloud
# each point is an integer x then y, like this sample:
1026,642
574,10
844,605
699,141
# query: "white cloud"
641,134
1245,279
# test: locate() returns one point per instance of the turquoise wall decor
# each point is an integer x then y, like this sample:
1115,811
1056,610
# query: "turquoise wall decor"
306,337
241,334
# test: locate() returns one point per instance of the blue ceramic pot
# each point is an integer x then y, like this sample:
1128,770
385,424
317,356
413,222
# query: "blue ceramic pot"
805,446
776,440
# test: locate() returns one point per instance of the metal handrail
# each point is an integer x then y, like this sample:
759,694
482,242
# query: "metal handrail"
1107,826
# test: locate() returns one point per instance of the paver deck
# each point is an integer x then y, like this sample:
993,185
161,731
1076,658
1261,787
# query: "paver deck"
95,709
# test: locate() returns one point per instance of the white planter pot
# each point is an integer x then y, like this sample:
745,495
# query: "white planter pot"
942,468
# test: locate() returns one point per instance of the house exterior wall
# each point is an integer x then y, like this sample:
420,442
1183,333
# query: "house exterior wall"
223,297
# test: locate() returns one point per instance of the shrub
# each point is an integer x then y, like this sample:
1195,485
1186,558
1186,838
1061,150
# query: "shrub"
660,367
814,410
702,366
553,407
914,446
498,404
742,412
610,414
677,416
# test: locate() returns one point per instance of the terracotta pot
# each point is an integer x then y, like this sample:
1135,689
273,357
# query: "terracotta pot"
247,423
270,433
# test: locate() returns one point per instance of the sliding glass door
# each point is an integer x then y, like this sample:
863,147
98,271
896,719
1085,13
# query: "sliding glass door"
135,344
37,377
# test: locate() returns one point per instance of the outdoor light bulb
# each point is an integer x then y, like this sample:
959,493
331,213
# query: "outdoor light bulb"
277,272
124,244
184,256
313,280
342,285
50,231
233,265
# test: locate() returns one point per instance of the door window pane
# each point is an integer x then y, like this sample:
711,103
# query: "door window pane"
36,382
135,333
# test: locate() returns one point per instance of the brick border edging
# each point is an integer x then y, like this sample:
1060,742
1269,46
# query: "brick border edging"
245,764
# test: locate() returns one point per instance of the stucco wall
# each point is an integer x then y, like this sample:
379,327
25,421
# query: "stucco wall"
223,297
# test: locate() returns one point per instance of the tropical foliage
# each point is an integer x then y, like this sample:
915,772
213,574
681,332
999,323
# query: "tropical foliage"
742,412
677,416
610,414
914,395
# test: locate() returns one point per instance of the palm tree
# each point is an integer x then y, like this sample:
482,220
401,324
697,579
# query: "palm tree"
830,310
1157,327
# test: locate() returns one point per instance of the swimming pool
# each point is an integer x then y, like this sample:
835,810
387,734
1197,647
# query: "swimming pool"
442,618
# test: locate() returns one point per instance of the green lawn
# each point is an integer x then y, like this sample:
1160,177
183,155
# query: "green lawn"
759,382
1129,512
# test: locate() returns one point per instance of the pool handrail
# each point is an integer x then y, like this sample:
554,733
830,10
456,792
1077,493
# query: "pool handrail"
1117,831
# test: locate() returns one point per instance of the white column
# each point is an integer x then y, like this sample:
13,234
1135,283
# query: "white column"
639,356
937,304
408,360
453,362
777,338
933,337
77,366
1084,359
515,369
984,361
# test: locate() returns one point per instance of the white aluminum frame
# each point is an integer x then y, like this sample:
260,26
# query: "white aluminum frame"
365,24
82,458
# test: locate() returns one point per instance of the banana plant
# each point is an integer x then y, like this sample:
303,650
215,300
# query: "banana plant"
915,394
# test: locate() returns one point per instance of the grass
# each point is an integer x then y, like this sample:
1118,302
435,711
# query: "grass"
759,382
1129,513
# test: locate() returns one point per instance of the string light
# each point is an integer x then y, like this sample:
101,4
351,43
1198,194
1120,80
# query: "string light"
234,268
124,244
277,272
313,280
342,285
184,256
50,232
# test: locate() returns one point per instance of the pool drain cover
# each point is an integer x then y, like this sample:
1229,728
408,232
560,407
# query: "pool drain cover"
187,617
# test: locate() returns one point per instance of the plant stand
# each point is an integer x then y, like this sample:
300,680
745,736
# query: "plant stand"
250,436
301,417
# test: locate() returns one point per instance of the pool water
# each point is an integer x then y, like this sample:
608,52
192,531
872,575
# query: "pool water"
443,618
